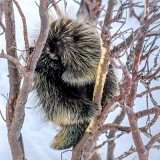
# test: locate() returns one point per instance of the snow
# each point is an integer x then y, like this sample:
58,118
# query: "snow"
37,135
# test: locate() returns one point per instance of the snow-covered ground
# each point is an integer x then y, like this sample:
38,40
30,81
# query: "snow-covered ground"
38,135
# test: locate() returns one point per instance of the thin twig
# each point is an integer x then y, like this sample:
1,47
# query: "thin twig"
109,140
140,114
2,116
25,34
15,61
153,140
148,91
126,154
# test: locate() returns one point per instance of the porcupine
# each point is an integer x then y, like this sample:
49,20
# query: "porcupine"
65,77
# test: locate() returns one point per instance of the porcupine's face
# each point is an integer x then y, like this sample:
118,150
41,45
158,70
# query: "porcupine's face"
76,45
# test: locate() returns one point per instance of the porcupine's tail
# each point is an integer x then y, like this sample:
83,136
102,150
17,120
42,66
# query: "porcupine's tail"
69,136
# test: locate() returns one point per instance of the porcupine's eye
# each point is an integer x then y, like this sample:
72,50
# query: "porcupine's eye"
51,49
76,38
51,46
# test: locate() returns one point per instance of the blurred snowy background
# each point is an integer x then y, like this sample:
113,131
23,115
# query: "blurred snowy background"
38,135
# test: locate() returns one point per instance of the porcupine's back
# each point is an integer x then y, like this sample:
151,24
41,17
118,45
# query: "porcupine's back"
65,77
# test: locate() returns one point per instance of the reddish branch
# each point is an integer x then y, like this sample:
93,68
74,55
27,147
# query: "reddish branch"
110,126
43,35
132,11
1,10
142,152
106,109
2,116
151,76
55,6
108,141
126,129
109,13
15,62
102,70
115,127
151,123
153,101
18,98
25,34
148,91
101,75
143,57
146,9
134,36
141,34
127,88
1,14
14,80
130,94
91,8
77,150
132,150
147,112
111,144
126,154
94,8
153,140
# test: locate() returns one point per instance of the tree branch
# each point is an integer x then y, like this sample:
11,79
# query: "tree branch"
2,116
1,14
148,91
151,76
111,144
98,90
153,140
18,99
147,112
90,8
15,62
134,36
126,154
25,34
14,80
